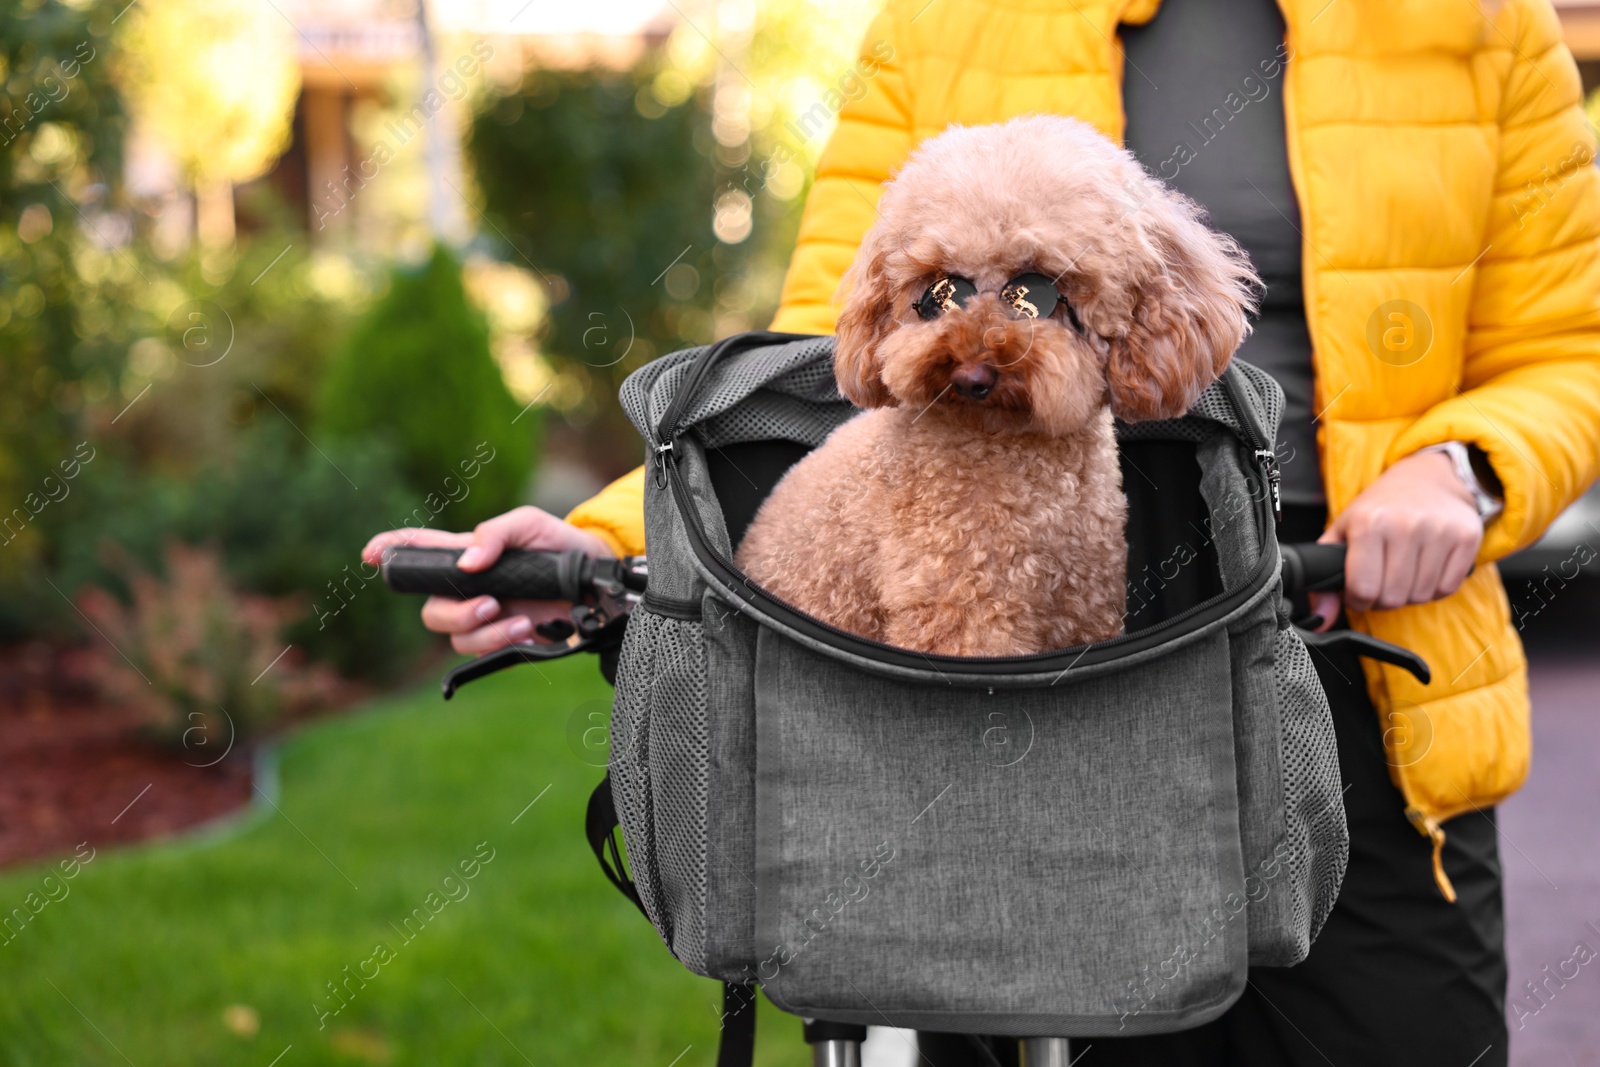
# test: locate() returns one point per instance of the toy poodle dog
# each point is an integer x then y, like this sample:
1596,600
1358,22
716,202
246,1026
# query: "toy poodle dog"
1023,283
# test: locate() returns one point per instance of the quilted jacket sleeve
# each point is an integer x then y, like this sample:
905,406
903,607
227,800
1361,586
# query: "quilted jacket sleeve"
616,514
1530,389
873,137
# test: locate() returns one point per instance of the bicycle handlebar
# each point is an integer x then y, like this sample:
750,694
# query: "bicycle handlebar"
1312,568
519,574
524,574
603,591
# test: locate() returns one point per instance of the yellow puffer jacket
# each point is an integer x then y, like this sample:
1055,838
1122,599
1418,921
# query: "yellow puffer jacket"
1440,157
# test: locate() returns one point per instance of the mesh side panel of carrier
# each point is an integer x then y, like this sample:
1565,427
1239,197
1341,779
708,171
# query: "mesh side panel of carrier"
1316,836
630,765
634,396
801,369
679,755
784,392
659,774
774,417
1268,397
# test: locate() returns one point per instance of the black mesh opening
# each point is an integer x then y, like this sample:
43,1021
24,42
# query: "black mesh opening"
1172,560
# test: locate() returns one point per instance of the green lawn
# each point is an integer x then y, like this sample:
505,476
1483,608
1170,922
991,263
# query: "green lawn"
540,962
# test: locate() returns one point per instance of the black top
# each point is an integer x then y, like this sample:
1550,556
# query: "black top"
1203,91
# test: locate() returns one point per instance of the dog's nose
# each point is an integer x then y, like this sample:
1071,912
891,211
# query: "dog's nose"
974,380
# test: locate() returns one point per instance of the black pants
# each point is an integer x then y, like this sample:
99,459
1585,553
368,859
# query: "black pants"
1398,976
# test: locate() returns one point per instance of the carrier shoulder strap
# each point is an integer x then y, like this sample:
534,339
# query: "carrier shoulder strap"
600,826
738,1047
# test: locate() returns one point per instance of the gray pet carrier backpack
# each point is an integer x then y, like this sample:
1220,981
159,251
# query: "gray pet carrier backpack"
1085,842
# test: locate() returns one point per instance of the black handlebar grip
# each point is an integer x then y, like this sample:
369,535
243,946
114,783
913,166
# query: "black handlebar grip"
1312,568
518,574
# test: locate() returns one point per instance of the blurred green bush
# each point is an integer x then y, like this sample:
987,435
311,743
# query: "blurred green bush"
201,662
313,432
287,523
416,373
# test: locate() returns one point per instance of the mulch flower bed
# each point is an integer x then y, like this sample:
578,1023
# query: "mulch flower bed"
76,768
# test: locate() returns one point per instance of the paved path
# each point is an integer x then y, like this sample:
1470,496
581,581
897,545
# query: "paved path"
1550,846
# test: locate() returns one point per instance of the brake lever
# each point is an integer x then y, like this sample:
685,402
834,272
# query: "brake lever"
1369,647
601,636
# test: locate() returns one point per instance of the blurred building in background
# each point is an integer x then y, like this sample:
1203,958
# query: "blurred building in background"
365,66
1580,25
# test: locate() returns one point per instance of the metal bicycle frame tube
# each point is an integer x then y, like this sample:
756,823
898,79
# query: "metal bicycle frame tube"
836,1054
1046,1052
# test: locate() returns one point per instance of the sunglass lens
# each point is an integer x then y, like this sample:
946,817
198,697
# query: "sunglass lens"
946,294
1030,296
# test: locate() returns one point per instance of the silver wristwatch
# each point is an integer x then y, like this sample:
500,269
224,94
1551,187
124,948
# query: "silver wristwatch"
1489,505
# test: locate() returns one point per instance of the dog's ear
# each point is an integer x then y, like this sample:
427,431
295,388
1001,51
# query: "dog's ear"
866,320
1191,289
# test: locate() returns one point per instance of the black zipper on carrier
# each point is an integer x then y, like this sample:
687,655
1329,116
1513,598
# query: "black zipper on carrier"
1194,617
667,428
1264,454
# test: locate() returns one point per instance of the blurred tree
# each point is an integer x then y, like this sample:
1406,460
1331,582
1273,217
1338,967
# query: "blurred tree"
215,81
612,208
66,285
417,371
659,205
249,347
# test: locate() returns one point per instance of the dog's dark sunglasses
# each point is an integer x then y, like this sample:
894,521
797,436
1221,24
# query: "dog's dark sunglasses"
1028,296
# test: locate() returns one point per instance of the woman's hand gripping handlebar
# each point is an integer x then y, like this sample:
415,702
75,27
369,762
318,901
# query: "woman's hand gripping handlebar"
523,586
1320,568
601,592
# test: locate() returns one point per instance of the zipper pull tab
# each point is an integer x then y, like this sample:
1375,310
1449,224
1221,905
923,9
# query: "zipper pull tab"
1268,460
663,454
